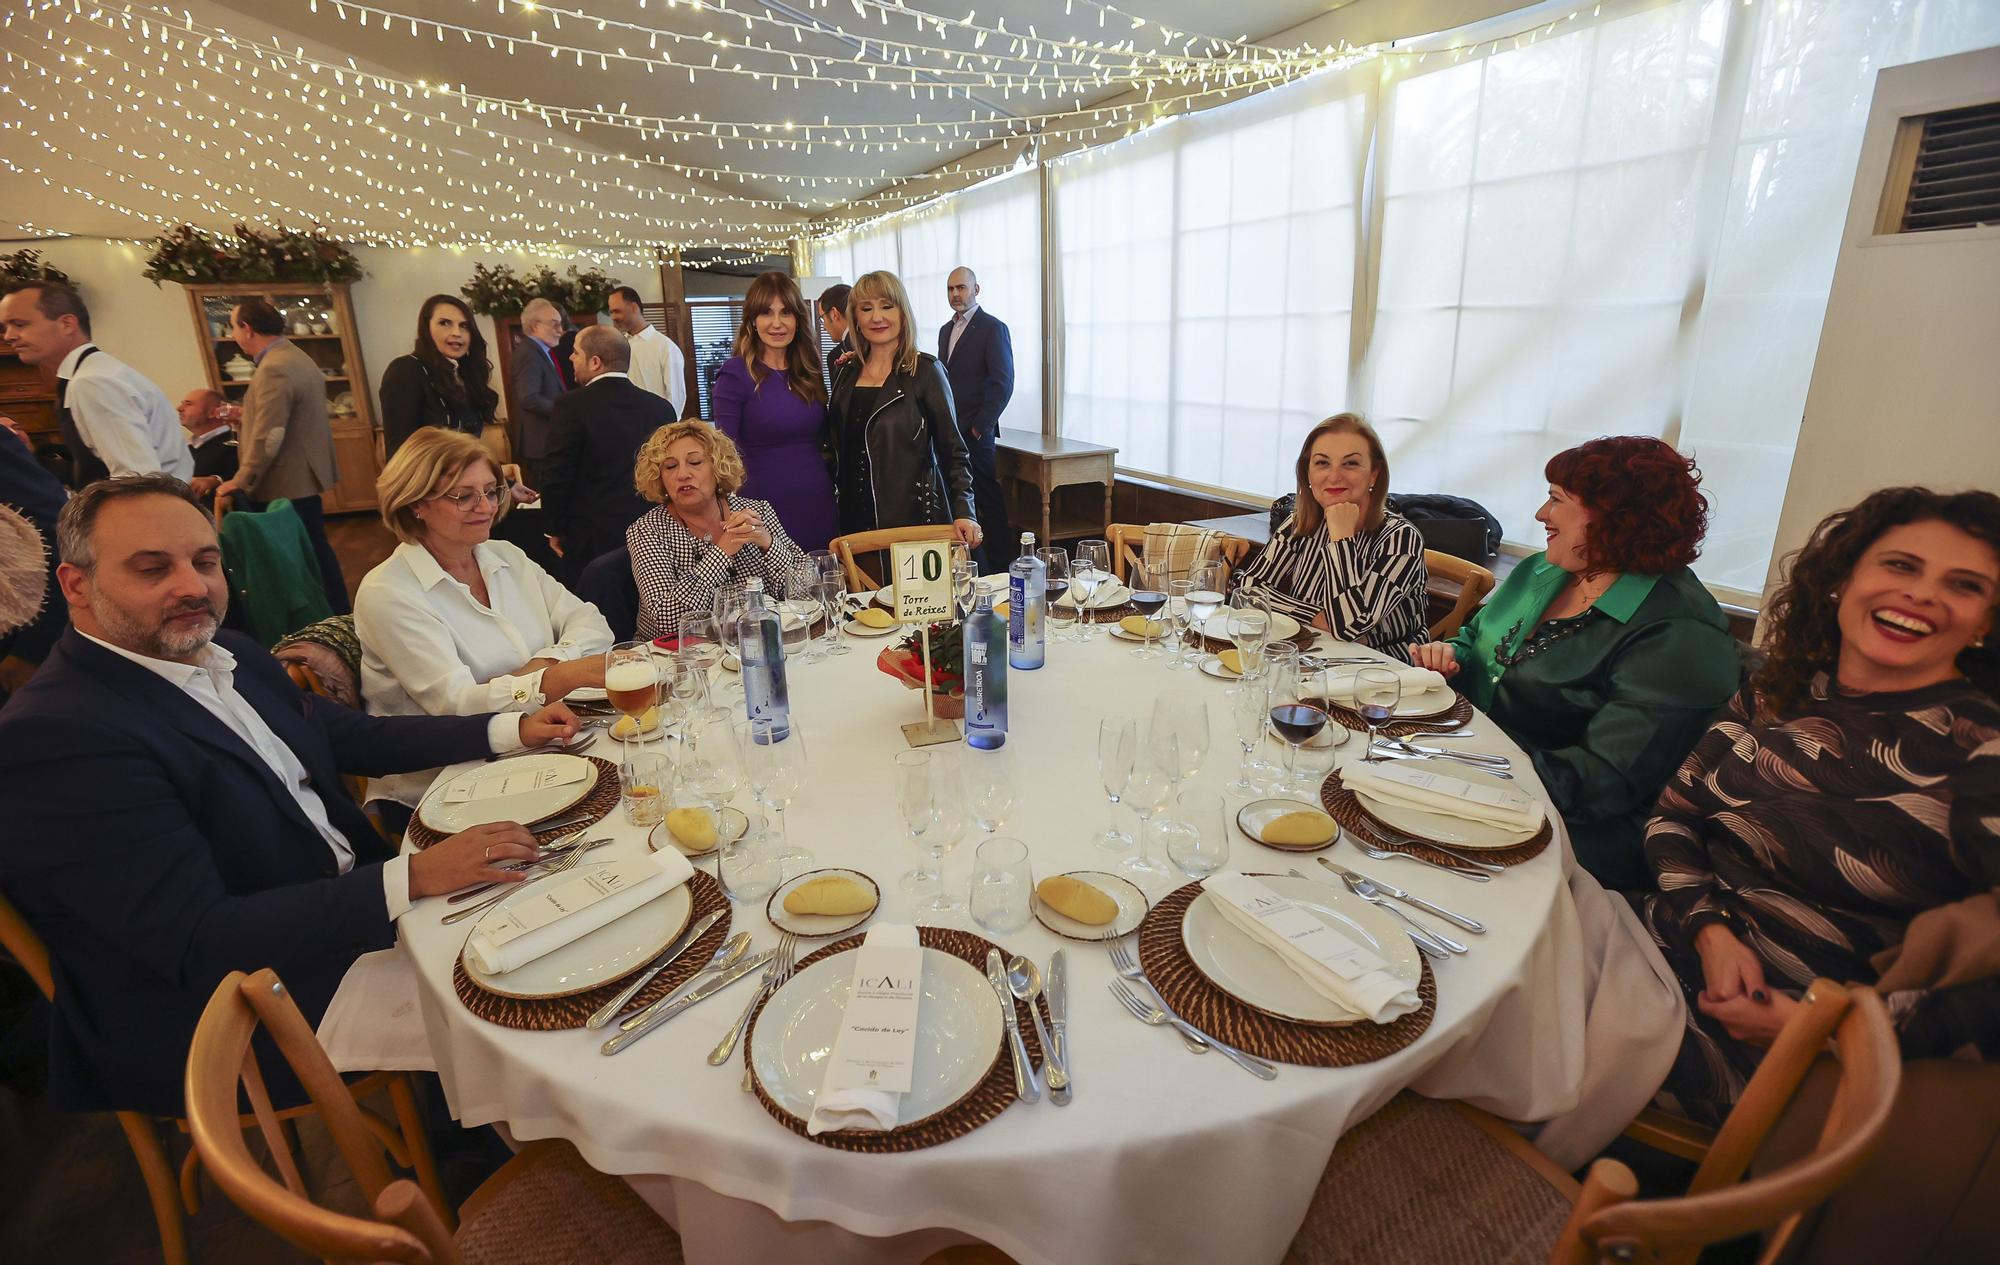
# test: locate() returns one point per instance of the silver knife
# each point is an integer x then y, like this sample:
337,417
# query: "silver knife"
610,1009
1058,993
1418,902
749,966
1026,1088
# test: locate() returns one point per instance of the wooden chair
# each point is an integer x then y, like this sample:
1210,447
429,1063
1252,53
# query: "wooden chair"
169,1196
1474,583
545,1204
1433,1181
848,549
308,680
1128,547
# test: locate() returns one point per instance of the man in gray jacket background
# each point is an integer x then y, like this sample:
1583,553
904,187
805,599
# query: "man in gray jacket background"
284,443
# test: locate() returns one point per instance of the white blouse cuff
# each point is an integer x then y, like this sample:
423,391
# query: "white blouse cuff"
518,693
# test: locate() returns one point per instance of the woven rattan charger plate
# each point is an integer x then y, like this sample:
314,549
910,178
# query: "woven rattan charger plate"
1304,639
1207,1007
1343,806
598,804
557,1014
992,1096
1459,712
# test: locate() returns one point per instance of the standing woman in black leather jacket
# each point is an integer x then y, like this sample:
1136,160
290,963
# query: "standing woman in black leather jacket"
899,457
444,381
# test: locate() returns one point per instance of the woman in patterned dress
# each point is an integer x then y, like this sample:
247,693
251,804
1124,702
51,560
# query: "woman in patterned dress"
1343,563
1843,818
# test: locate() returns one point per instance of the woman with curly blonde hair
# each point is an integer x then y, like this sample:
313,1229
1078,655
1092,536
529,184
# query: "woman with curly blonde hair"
699,534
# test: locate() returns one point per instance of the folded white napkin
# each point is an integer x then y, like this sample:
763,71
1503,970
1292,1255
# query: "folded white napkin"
1373,992
1437,793
1340,681
835,1109
645,878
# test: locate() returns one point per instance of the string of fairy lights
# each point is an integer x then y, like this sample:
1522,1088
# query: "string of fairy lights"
156,100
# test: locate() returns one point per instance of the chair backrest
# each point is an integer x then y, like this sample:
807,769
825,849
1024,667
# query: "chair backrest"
1474,583
851,547
606,582
1177,544
221,1061
1719,1205
272,570
19,939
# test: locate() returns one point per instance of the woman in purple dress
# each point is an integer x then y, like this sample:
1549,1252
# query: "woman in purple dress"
769,398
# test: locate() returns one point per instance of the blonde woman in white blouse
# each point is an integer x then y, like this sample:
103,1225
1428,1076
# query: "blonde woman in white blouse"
454,623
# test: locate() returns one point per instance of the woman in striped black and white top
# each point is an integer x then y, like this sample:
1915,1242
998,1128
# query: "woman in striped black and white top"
1342,563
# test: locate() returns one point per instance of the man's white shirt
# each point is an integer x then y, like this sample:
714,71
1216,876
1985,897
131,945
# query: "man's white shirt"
122,417
657,366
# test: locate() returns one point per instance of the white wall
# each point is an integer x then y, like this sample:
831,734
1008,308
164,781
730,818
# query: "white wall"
148,326
1906,388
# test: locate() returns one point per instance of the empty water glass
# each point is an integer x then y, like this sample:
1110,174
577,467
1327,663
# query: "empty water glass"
749,870
1003,886
1197,838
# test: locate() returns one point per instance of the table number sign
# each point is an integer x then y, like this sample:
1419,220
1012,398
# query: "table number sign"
920,574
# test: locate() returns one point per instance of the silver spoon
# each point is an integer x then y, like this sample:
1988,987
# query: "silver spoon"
1025,981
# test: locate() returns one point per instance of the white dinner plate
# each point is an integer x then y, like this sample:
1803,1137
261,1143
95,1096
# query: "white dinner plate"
819,924
1164,638
1444,828
1112,594
1283,627
730,825
959,1035
855,628
1259,813
1424,706
587,694
533,806
1131,909
609,953
1254,975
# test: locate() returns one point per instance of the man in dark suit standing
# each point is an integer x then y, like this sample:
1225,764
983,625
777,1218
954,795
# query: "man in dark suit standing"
588,491
538,383
175,810
978,356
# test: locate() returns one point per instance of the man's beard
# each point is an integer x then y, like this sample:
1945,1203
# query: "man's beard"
158,640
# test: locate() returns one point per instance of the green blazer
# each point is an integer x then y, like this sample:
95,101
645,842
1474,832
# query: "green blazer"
1609,712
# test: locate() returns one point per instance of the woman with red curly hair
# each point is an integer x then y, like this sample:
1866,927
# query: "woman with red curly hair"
1603,656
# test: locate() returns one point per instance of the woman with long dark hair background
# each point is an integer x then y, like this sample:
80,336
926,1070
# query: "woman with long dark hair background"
444,381
770,399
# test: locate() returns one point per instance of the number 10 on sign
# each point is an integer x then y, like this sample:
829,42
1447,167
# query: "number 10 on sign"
921,576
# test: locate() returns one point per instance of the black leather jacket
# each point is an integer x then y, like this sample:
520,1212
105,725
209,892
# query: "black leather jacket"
917,458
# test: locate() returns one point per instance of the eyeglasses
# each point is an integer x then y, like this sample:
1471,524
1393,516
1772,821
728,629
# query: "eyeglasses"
464,502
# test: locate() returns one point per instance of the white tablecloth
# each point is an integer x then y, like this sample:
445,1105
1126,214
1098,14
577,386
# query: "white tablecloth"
1164,1156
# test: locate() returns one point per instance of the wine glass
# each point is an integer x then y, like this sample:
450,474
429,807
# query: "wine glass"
1297,715
1178,618
687,693
1056,559
1150,784
964,580
631,685
1149,595
702,645
832,590
1204,595
774,764
1249,713
1197,839
1377,692
989,787
801,604
1249,629
711,766
1117,748
1181,718
1091,571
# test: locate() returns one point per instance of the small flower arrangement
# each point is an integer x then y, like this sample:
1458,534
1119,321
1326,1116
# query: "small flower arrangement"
500,291
194,256
27,265
905,662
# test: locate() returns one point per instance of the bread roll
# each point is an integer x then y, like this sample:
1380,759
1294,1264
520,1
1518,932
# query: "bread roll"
1231,660
623,728
692,828
874,617
829,894
1300,830
1138,626
1075,899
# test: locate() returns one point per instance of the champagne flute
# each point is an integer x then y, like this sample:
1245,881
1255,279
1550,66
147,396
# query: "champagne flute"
1296,715
631,685
775,766
989,787
964,580
1181,717
1177,616
1204,595
1117,748
832,590
1377,692
702,645
1250,714
1056,559
948,810
1249,631
1149,595
1092,571
916,797
1150,784
801,603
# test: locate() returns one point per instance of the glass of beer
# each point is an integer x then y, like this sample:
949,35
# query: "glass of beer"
631,684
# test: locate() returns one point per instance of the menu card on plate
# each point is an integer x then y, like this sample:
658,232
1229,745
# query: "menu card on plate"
1452,796
1331,964
515,781
874,1055
572,907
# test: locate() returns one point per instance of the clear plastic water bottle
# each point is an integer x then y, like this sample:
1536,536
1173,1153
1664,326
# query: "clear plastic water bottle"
985,674
1028,620
760,644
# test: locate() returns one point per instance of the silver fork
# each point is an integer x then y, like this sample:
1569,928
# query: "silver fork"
1125,964
1400,839
774,974
1157,1016
563,866
1384,854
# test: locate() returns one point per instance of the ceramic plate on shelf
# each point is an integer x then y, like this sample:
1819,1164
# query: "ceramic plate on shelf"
609,953
1253,974
1444,828
447,817
1131,908
959,1035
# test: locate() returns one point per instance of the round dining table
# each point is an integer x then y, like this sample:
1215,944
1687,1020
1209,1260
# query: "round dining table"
1163,1155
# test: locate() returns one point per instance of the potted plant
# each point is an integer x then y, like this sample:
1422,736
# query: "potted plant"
194,256
27,265
905,662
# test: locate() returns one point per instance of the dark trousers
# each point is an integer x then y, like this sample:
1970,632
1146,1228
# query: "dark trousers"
1000,548
309,512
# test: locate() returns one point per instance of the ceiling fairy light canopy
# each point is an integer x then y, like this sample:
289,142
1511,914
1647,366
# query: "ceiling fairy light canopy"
624,125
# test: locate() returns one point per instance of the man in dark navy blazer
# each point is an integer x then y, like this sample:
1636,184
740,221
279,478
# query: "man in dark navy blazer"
587,488
978,355
174,806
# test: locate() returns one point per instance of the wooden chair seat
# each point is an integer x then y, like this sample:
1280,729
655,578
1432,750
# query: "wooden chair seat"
855,545
545,1204
1474,583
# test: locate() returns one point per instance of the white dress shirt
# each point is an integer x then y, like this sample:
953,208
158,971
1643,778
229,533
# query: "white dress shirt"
203,440
212,683
658,367
122,417
958,324
430,648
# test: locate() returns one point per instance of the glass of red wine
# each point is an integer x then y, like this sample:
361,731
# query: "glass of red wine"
1297,715
1149,597
1377,692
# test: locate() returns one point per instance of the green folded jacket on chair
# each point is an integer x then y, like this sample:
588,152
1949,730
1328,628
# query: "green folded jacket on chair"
273,574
